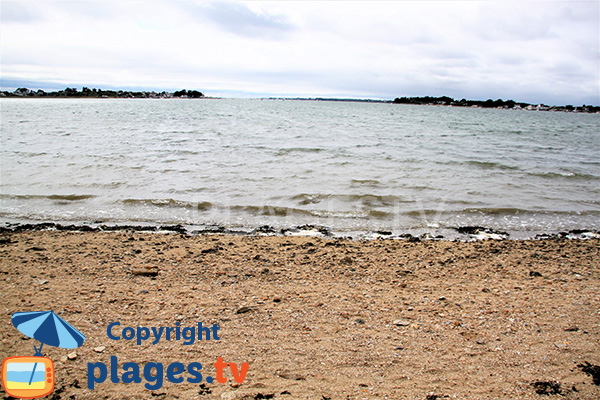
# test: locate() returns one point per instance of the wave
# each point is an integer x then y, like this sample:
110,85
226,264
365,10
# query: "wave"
59,197
564,175
169,203
366,199
518,211
283,152
486,165
490,165
365,182
278,211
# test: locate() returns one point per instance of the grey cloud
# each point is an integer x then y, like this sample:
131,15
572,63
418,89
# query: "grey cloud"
237,18
89,10
19,12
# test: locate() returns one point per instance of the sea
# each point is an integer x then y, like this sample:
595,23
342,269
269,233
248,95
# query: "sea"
360,169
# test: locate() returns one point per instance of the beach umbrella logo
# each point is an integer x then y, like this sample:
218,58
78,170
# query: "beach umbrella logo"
33,377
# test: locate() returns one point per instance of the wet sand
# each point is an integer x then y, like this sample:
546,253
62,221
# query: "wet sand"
316,318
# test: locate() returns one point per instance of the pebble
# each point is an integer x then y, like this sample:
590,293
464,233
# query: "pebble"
228,396
291,376
347,260
402,322
147,271
99,349
571,328
72,356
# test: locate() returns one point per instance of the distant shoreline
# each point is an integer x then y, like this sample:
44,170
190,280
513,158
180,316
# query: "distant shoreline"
86,93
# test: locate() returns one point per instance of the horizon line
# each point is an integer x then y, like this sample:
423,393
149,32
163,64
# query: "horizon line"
13,85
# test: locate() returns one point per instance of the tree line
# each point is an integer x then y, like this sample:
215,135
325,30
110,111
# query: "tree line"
101,93
489,103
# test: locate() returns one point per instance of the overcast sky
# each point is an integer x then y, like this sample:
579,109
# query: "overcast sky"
533,51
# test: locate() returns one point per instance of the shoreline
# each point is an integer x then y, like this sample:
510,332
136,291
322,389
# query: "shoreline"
477,104
463,233
317,317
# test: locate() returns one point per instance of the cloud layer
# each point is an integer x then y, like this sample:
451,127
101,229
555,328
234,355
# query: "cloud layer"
545,51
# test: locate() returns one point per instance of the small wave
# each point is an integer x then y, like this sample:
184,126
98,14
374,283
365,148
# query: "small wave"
59,197
277,211
71,197
364,182
377,214
365,199
283,152
497,211
491,165
30,154
170,203
516,211
564,175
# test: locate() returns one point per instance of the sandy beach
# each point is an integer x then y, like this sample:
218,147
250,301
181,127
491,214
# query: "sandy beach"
316,318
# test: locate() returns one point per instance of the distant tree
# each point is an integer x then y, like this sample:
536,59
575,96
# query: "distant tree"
71,92
489,103
194,94
446,100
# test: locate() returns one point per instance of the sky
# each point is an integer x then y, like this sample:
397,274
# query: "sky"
532,51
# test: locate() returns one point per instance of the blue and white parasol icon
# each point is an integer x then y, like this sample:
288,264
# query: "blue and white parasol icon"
48,328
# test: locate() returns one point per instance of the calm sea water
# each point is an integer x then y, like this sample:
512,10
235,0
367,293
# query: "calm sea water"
352,167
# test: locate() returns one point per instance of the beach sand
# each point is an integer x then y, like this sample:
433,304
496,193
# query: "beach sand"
316,318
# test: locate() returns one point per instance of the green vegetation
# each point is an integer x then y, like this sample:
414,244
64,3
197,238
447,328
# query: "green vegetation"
489,103
100,93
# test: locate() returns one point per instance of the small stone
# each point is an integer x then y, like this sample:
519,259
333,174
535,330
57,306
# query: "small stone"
534,273
347,260
571,328
276,299
402,322
244,309
72,356
63,358
291,376
147,271
99,349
